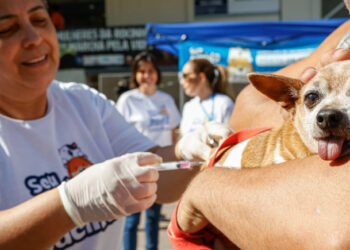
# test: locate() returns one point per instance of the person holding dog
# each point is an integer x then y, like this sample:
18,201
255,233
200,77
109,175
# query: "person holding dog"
212,100
51,133
155,115
298,204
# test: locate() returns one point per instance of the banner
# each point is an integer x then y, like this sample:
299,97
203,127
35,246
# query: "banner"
100,47
240,61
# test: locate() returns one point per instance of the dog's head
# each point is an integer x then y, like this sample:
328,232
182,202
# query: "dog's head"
320,108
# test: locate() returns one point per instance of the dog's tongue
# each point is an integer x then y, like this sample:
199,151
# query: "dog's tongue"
330,149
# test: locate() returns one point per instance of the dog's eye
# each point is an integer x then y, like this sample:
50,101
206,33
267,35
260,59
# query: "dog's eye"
311,99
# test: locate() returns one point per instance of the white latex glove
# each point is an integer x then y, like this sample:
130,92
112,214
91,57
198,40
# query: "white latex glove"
197,145
111,189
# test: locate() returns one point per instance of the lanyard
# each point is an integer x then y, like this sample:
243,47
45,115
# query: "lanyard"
211,116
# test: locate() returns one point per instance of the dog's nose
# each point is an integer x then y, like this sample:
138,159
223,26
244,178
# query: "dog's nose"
329,118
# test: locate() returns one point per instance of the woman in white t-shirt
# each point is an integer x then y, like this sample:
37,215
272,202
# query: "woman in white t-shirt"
212,100
69,172
155,115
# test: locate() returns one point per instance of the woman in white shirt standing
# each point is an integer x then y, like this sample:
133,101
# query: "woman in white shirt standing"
212,100
155,115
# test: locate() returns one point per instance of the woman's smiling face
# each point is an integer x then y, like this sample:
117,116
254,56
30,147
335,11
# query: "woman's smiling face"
146,75
29,56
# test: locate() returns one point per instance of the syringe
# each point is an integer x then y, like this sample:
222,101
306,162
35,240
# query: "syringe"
178,165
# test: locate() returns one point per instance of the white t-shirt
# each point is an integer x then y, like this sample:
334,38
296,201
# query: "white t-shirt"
154,116
218,108
81,128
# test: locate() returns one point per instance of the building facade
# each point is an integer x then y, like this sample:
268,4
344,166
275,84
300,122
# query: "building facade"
106,34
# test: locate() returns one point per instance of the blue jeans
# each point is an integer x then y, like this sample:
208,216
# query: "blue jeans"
152,227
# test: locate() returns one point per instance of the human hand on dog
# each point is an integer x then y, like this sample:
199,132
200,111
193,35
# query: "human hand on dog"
328,57
111,189
197,145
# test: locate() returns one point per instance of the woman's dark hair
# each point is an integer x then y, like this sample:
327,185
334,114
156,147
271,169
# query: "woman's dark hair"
217,75
144,57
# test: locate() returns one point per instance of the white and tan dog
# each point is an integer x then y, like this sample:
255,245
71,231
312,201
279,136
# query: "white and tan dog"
319,123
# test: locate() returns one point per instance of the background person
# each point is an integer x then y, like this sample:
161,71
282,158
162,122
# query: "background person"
50,132
155,115
298,204
212,100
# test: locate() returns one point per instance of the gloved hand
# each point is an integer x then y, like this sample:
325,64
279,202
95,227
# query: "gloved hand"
197,145
111,189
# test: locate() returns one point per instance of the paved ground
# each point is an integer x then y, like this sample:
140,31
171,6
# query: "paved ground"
164,243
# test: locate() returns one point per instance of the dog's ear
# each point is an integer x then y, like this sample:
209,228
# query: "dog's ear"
281,89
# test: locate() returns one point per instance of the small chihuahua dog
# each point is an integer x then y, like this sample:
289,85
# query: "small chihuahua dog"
319,123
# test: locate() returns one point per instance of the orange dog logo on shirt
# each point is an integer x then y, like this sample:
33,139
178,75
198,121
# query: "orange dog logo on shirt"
73,159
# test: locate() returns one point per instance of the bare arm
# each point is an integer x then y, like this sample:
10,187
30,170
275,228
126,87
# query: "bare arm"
167,153
36,224
251,110
251,103
174,135
314,60
302,204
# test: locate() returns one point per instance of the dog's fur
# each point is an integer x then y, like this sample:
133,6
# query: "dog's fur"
319,123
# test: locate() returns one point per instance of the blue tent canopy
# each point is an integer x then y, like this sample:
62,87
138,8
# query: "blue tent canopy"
257,35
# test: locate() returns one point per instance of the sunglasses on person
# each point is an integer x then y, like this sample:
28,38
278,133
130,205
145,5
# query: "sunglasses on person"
186,76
